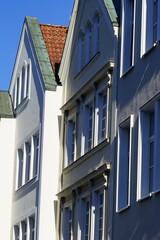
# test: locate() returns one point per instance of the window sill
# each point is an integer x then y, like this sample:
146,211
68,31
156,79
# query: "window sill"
21,105
150,49
87,65
123,209
148,196
29,182
127,71
86,155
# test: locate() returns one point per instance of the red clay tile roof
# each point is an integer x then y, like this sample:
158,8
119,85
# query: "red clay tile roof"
54,38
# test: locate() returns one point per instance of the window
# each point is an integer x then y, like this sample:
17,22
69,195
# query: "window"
86,222
99,216
70,141
36,154
150,33
28,78
80,51
32,227
88,42
17,91
124,164
102,112
67,224
24,230
16,233
28,160
127,41
88,132
20,167
148,152
95,34
22,85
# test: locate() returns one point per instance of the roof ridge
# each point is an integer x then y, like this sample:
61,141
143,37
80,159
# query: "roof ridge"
42,54
52,25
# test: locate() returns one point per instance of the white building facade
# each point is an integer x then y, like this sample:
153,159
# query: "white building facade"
32,155
88,111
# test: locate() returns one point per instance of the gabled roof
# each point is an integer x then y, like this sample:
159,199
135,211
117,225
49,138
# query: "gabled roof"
54,38
6,110
48,41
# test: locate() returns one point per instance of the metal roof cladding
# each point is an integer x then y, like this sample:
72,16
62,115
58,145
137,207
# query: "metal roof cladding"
6,110
48,41
111,11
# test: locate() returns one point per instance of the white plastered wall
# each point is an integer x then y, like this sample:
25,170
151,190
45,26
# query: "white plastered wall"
49,164
7,136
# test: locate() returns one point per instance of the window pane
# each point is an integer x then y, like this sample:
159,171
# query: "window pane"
32,228
36,154
24,230
28,160
20,169
16,233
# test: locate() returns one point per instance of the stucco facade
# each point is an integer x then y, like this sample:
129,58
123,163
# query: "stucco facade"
29,138
87,149
136,209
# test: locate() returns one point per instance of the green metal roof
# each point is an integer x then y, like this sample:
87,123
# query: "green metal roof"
6,110
42,54
111,11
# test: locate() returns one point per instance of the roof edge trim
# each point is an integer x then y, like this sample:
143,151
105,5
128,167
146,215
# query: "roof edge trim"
42,54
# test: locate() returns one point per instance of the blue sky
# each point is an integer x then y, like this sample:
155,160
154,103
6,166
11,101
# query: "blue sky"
12,14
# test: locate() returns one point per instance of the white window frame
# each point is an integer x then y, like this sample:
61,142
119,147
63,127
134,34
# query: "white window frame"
144,140
128,35
88,42
81,39
32,229
28,151
24,227
95,33
16,232
100,108
36,153
70,136
20,166
25,233
29,170
147,26
124,160
83,217
67,222
22,86
87,132
95,217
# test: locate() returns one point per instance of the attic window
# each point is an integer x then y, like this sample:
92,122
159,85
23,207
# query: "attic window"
22,85
88,41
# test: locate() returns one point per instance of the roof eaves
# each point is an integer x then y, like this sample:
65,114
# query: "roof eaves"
111,11
6,109
42,54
